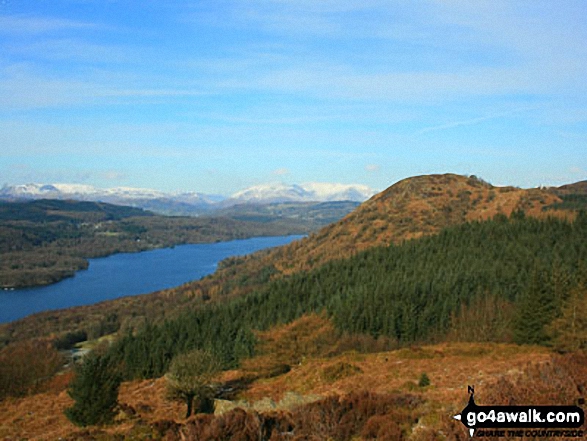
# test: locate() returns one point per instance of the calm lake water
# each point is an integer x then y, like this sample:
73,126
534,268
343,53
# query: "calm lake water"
127,274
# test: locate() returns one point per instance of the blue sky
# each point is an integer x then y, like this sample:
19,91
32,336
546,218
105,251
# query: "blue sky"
215,96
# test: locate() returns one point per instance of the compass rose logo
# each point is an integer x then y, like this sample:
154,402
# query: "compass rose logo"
471,392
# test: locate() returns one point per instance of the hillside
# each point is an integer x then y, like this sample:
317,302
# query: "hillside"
312,215
48,210
376,395
44,241
576,188
147,414
507,288
413,207
377,345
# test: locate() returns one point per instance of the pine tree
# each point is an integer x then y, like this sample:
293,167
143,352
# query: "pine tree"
95,391
244,344
536,309
569,331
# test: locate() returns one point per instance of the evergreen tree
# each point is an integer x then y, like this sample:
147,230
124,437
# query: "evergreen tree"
424,380
536,309
569,331
95,391
244,344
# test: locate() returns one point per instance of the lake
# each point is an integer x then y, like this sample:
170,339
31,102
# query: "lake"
128,274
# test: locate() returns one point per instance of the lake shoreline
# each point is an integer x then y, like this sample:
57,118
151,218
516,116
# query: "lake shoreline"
123,273
66,273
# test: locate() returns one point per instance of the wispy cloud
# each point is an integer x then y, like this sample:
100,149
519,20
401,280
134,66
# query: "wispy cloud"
522,56
472,121
323,18
21,87
333,81
24,24
311,85
70,49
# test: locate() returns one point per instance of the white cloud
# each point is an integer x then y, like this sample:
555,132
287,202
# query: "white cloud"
324,18
512,55
531,64
544,39
329,82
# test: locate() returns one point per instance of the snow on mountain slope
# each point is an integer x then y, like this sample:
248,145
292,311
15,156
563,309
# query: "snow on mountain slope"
336,192
191,202
120,192
76,189
309,192
28,190
268,193
82,191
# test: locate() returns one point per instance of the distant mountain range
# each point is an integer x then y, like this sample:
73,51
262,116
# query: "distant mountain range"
191,203
310,192
154,200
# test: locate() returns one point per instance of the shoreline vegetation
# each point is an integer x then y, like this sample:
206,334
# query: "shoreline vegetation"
45,241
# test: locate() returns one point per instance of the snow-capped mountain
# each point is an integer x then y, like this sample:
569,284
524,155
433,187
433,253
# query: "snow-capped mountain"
190,203
309,192
76,191
155,200
339,192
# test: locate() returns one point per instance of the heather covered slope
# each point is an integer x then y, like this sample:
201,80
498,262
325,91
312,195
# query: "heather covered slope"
411,208
501,373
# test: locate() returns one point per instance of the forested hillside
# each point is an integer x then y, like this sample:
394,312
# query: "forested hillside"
411,208
44,241
498,280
